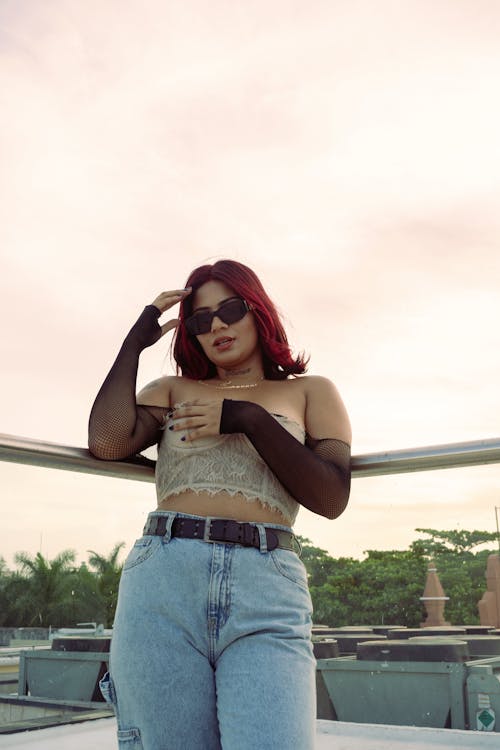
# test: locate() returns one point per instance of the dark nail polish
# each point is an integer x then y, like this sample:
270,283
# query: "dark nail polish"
183,438
171,427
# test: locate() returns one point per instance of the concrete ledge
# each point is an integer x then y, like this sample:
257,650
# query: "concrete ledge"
339,735
332,735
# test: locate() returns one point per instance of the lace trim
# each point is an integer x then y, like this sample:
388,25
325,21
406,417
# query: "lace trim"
249,498
237,469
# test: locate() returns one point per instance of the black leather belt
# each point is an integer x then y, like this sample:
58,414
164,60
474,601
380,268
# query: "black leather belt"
221,530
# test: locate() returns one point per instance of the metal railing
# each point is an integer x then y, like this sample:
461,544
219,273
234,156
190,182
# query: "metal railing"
55,456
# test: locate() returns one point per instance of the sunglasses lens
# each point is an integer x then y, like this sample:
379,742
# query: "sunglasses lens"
229,312
232,311
198,323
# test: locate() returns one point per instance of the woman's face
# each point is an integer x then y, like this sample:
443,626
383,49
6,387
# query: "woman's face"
227,345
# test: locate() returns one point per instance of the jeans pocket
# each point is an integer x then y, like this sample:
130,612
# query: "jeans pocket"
290,566
129,738
142,551
107,689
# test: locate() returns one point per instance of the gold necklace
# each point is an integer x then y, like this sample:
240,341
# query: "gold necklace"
229,384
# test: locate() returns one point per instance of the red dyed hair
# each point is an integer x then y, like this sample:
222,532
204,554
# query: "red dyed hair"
278,361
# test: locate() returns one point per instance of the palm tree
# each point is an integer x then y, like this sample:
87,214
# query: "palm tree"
108,574
44,588
5,578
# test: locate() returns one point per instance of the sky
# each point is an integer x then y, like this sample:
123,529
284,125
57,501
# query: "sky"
347,151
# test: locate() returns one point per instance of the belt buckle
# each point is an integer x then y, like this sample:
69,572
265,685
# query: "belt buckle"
245,532
217,531
248,535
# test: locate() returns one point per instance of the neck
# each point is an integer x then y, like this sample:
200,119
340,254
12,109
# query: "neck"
241,375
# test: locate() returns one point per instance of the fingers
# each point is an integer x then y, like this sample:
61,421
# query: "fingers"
196,419
197,408
188,424
165,300
191,428
191,408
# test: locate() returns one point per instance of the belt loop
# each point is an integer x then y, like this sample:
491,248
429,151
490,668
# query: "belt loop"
169,519
296,540
151,525
206,532
262,537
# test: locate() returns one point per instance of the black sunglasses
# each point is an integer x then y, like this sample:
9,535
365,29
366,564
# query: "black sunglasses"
230,311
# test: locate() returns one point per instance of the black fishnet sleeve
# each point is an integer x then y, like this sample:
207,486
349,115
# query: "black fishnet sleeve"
317,474
118,426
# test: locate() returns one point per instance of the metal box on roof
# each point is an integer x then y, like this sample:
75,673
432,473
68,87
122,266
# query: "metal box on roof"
455,693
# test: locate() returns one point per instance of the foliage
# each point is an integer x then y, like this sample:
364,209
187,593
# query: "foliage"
386,586
383,588
455,541
109,573
461,572
55,593
43,588
5,596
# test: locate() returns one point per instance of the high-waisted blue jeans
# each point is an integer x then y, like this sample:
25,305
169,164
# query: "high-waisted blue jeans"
212,648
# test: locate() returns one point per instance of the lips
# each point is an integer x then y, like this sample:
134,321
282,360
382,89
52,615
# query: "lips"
223,342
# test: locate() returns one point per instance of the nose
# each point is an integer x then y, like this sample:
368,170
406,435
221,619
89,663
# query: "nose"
217,324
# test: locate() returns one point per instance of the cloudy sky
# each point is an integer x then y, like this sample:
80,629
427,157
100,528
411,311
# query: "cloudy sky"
347,151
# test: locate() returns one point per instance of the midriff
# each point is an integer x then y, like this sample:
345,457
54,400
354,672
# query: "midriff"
222,505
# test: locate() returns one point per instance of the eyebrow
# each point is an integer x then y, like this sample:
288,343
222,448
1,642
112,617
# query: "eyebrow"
200,309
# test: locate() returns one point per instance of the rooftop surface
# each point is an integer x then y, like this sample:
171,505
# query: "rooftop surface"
332,735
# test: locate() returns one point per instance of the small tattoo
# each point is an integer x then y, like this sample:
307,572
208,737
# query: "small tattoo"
236,372
153,384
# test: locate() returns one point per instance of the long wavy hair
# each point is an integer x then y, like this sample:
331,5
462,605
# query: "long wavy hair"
192,362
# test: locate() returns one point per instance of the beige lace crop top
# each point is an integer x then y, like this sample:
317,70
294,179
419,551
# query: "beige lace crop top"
227,463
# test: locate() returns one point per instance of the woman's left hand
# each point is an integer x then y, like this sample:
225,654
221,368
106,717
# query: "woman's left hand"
197,419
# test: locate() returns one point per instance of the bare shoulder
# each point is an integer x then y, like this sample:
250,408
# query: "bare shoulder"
315,386
326,414
317,382
157,393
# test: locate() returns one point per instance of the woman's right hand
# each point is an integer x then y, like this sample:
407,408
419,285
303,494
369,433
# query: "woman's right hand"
147,330
165,301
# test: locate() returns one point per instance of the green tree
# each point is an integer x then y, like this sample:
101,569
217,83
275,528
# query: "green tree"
5,603
453,540
461,571
4,571
108,578
384,588
43,588
318,562
87,604
332,599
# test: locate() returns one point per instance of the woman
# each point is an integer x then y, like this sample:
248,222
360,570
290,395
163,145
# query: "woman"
211,644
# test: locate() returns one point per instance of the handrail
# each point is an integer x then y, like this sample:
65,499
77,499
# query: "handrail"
431,457
23,450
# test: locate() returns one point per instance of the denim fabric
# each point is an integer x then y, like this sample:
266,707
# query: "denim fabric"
211,647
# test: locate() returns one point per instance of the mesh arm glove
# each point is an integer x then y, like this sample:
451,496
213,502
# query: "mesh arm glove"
317,474
118,427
